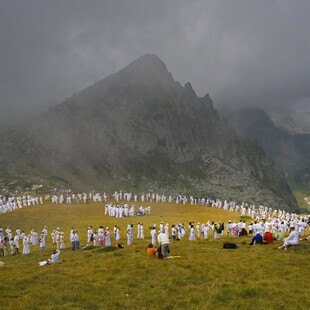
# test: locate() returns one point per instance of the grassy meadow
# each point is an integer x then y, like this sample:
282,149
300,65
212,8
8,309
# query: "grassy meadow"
204,276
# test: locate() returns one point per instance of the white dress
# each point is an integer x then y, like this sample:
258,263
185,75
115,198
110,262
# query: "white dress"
192,234
292,239
107,238
26,248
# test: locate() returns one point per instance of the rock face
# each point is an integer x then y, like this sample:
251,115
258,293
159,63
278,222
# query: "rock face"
294,118
291,151
139,129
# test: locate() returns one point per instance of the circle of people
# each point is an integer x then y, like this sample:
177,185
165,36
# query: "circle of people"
264,221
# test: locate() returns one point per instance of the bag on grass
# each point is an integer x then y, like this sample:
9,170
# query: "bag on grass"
228,245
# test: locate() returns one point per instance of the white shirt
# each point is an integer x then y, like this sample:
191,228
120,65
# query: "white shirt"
162,238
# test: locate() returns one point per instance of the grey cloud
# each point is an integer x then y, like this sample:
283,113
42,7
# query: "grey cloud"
241,52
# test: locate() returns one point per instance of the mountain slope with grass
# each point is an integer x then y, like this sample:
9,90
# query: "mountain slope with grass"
139,129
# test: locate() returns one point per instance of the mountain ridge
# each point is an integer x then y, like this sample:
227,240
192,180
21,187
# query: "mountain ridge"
141,129
290,150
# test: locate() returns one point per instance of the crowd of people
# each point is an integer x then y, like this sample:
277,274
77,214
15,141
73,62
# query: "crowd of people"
13,241
123,210
264,222
14,202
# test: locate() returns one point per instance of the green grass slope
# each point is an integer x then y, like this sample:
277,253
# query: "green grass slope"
205,276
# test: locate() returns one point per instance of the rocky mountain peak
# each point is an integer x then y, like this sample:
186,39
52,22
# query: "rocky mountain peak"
148,65
138,129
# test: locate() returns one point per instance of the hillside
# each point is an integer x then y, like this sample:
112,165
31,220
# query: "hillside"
131,281
139,129
290,150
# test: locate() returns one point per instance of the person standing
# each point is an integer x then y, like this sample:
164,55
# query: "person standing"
107,237
192,233
62,241
129,234
89,234
77,240
163,242
173,233
73,240
42,241
26,248
95,238
117,234
229,228
153,234
12,246
16,242
141,231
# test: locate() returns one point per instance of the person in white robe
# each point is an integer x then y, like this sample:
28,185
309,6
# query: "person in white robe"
89,234
117,236
138,230
55,257
12,246
26,247
107,237
292,239
129,234
154,235
16,242
141,231
192,233
42,241
95,238
62,241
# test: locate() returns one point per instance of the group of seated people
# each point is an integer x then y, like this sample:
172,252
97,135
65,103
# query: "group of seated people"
267,238
153,252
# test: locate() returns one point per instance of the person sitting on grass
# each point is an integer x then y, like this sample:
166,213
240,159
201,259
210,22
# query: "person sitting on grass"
268,238
150,251
55,257
159,254
257,239
292,239
53,260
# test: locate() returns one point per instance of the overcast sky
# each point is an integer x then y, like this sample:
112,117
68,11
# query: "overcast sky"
241,52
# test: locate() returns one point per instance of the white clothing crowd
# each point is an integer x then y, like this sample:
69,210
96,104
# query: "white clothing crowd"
12,203
13,240
264,219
